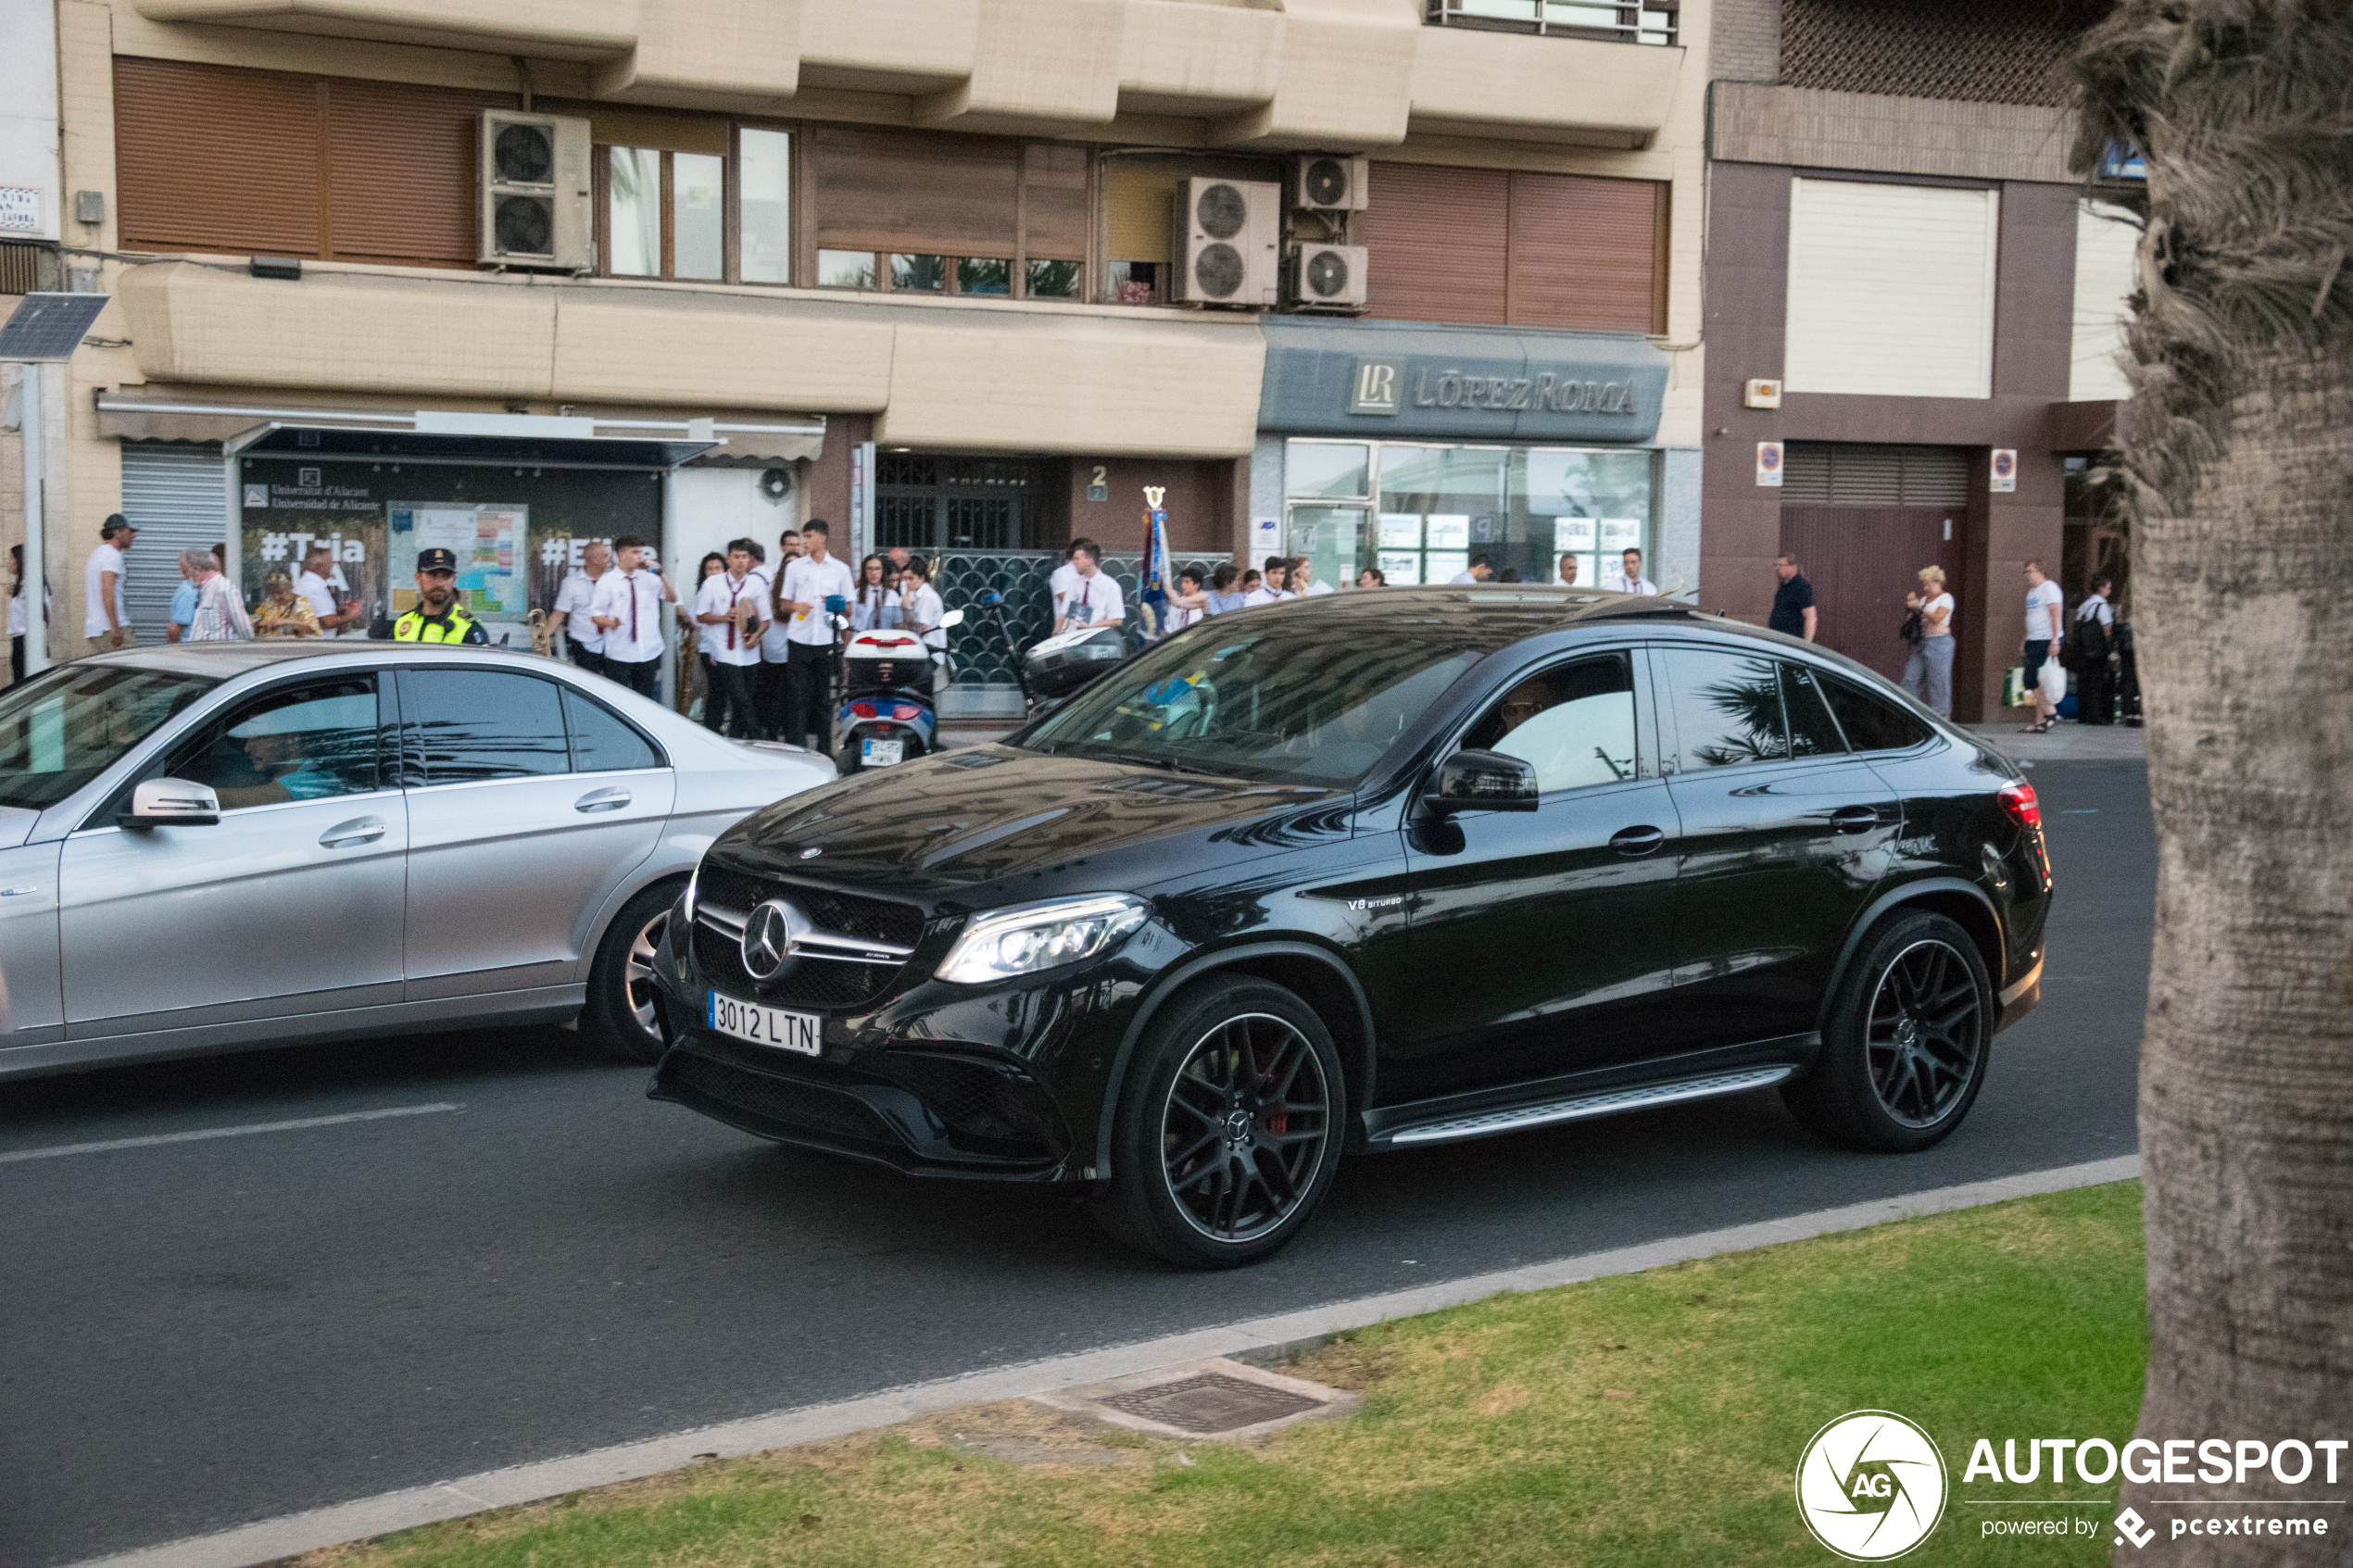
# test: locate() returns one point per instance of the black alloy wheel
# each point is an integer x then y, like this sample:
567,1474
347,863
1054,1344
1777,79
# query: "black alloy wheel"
1229,1126
624,1010
1905,1040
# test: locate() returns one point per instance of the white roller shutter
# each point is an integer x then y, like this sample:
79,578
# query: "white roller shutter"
1891,290
175,495
2106,274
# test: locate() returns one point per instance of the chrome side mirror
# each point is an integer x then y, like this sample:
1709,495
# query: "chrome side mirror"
953,618
170,803
1473,779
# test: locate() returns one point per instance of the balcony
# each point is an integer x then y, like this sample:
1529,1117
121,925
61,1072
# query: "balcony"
1642,21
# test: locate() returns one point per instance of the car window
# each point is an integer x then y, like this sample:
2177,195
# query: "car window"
475,724
1872,724
60,729
307,742
602,741
1573,723
1812,731
1728,707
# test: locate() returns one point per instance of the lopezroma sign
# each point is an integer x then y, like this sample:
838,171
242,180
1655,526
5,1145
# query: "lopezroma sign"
1381,386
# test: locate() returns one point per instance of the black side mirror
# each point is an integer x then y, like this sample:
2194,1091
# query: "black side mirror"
1473,779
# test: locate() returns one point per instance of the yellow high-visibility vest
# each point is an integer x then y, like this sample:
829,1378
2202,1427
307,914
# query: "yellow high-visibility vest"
458,627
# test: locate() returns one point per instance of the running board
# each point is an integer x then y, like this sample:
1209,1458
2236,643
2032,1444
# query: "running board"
1519,1118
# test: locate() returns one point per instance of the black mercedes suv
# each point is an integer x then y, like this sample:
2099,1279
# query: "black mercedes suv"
1361,872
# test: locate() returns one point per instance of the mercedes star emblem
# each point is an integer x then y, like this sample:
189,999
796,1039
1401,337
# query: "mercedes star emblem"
769,934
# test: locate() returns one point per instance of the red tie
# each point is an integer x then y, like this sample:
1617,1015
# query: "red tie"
632,581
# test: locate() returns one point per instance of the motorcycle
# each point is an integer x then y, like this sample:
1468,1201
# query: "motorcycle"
1051,669
888,712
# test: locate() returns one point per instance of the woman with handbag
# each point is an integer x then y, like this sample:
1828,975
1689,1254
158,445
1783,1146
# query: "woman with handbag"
1928,672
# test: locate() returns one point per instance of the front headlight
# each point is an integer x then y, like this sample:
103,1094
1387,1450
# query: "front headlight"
1040,936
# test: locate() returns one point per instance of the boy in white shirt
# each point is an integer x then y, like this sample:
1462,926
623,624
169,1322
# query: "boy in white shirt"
1096,600
627,609
1274,584
809,580
1065,580
731,607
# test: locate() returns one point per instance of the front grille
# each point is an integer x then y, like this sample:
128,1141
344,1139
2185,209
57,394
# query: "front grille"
823,983
788,1103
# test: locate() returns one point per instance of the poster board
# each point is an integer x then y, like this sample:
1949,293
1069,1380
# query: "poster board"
487,539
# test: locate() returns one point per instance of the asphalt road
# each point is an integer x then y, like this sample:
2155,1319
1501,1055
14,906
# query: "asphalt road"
198,1334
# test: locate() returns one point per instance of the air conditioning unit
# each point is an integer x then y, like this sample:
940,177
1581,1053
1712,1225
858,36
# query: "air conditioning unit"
1224,240
1317,275
535,210
1319,183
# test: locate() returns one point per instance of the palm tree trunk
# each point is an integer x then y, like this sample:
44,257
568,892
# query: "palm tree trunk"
2241,466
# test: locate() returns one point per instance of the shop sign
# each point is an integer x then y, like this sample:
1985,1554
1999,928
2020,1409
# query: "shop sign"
1333,379
1380,384
19,208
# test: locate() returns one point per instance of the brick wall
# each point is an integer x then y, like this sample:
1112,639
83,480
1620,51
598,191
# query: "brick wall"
1744,44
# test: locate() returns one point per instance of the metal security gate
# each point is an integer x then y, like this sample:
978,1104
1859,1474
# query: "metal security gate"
176,497
986,684
934,504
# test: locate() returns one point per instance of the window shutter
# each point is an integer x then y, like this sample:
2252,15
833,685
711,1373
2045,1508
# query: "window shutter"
402,163
1053,201
208,157
1585,252
2106,275
1830,473
1436,238
931,194
1136,198
1891,290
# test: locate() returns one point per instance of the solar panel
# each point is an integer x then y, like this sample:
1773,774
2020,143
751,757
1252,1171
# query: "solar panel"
49,326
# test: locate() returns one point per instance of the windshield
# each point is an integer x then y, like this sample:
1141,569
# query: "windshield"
66,727
1260,698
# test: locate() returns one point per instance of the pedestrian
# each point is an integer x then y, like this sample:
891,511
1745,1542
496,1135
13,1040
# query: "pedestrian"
1568,571
1065,580
1374,577
628,609
1186,603
1302,579
2043,603
1249,584
1928,671
583,637
919,611
317,566
898,556
183,597
1097,600
282,612
105,622
1273,582
787,550
877,602
2094,643
728,609
1792,601
808,582
1481,569
1224,592
1629,578
438,618
220,610
1509,575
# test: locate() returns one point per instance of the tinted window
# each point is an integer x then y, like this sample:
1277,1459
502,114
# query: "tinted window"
1812,733
1573,723
1728,707
60,729
1871,723
601,743
297,742
485,724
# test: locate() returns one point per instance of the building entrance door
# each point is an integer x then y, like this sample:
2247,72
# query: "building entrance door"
935,504
1862,520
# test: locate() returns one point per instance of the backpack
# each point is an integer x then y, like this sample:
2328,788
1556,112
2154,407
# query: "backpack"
2088,642
1912,631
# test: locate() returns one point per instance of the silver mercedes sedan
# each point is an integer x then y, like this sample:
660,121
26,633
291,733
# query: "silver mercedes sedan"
216,847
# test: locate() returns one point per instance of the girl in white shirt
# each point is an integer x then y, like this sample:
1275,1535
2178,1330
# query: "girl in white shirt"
877,605
919,610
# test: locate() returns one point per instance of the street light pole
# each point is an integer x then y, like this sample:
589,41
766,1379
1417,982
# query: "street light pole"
36,562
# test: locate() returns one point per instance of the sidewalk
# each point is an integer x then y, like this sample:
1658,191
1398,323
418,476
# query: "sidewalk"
2070,741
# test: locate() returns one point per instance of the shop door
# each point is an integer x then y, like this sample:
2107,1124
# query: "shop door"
177,498
1862,562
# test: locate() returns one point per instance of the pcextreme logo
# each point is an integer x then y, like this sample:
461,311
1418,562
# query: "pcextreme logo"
1871,1486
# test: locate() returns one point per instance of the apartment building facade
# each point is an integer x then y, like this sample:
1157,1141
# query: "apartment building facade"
1914,310
1388,282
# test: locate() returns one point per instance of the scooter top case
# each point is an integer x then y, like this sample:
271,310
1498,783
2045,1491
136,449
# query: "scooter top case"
1067,661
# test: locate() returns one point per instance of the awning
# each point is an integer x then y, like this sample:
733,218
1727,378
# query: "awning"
426,435
333,444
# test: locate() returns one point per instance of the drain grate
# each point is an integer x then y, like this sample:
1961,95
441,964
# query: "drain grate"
1212,1402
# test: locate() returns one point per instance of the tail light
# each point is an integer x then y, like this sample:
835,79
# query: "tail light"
2021,805
864,711
905,710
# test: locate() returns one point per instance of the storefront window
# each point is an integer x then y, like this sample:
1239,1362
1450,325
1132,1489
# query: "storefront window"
765,206
1435,509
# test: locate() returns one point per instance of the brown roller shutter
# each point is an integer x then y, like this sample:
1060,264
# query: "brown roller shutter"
1053,201
1436,240
402,163
1585,252
212,159
921,191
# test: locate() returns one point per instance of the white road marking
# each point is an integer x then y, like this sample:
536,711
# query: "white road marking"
60,1150
270,1539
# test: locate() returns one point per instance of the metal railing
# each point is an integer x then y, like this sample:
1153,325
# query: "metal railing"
986,684
1637,21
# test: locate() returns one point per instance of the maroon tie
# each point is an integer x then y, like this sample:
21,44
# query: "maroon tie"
632,581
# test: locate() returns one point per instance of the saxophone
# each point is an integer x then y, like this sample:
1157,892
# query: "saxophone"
543,632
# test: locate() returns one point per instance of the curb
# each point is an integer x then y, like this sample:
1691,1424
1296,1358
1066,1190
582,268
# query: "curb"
1258,1340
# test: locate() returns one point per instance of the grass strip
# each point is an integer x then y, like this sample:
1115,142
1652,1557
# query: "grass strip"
1647,1419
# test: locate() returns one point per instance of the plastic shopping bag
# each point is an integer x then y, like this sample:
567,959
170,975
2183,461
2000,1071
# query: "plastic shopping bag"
2054,679
2014,693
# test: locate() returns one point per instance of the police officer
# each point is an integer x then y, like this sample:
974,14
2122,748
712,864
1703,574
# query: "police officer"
438,618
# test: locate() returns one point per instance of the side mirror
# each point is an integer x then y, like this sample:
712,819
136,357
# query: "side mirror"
953,618
170,803
1473,779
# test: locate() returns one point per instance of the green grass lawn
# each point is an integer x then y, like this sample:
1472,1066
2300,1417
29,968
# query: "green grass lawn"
1651,1419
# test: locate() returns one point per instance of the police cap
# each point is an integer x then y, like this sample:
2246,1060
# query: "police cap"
436,560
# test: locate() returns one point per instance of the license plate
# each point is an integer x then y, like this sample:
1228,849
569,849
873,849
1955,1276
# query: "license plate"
774,1027
881,753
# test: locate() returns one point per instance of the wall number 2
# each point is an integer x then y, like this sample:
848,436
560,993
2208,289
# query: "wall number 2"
1098,488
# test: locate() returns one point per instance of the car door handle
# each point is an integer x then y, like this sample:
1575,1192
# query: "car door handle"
1854,819
1637,841
602,800
359,830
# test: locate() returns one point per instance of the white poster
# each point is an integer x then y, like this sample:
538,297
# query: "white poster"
1572,535
487,541
1622,533
1401,531
1449,531
1265,538
1402,567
